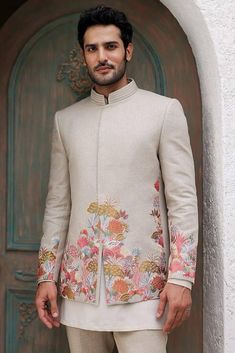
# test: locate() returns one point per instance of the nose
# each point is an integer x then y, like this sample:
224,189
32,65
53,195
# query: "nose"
102,55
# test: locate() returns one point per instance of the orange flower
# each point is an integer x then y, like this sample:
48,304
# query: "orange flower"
120,286
116,227
67,292
157,282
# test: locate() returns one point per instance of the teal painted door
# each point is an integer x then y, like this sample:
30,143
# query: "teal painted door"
42,71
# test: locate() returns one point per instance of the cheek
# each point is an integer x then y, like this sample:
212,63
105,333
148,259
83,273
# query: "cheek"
90,62
117,58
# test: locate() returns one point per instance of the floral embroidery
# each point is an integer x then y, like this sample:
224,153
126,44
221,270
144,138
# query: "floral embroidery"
46,261
80,263
129,276
158,233
183,253
79,268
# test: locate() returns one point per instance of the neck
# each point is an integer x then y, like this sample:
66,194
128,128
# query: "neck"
106,90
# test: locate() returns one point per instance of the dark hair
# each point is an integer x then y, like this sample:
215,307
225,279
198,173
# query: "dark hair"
103,15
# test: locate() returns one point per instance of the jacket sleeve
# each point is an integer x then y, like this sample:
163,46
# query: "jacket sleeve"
178,175
57,212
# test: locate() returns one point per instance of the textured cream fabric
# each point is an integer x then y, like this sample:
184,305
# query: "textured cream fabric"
121,192
148,341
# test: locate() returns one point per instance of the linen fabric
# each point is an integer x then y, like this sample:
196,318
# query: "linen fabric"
121,196
84,341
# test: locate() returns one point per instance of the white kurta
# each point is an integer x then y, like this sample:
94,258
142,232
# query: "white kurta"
103,317
128,317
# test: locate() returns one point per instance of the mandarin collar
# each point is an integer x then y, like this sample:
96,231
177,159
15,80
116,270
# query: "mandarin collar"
115,96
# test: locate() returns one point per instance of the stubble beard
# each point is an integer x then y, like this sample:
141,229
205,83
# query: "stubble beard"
116,76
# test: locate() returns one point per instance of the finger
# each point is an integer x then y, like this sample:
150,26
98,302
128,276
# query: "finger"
180,317
178,320
53,306
40,305
47,319
170,319
44,317
162,305
55,321
186,314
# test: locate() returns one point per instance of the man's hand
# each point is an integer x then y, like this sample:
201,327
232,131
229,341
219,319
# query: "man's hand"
46,304
179,305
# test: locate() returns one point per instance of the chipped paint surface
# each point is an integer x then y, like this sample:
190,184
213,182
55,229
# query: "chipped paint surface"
210,27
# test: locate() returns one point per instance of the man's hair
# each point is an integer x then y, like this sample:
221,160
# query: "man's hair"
103,15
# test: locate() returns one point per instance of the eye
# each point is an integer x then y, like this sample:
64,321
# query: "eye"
91,49
111,46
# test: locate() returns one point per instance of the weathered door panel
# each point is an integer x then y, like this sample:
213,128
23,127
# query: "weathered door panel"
42,71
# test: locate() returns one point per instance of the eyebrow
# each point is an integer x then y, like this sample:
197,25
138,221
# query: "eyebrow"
105,43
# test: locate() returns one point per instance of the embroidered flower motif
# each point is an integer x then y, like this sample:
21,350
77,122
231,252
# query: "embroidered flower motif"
113,270
92,266
68,293
156,185
120,286
82,242
158,233
116,227
46,261
73,251
84,231
158,283
183,253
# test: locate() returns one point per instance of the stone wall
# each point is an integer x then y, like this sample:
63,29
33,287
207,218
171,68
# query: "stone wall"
210,27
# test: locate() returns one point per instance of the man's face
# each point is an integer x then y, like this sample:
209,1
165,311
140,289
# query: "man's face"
105,55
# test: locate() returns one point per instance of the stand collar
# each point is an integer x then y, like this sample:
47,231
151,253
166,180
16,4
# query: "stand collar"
115,96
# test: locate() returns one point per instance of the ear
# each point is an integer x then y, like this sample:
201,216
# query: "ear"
129,51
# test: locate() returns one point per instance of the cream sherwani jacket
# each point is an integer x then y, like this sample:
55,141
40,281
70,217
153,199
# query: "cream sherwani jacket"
122,196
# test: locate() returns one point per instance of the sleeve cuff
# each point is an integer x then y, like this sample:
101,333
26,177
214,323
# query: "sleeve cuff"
181,282
45,280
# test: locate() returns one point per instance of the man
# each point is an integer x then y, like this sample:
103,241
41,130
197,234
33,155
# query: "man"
121,215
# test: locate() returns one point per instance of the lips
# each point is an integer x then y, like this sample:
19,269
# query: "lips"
103,68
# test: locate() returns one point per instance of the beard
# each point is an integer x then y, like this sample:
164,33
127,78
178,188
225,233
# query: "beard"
111,78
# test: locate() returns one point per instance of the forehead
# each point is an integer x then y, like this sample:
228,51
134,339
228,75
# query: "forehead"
100,33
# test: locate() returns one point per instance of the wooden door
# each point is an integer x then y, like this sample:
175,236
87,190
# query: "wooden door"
42,71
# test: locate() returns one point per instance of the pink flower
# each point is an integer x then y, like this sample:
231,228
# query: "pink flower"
72,276
156,185
116,251
189,274
178,239
176,266
136,278
94,250
84,290
82,242
84,231
73,251
107,253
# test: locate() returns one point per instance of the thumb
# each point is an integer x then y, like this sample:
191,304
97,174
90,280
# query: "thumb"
162,304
